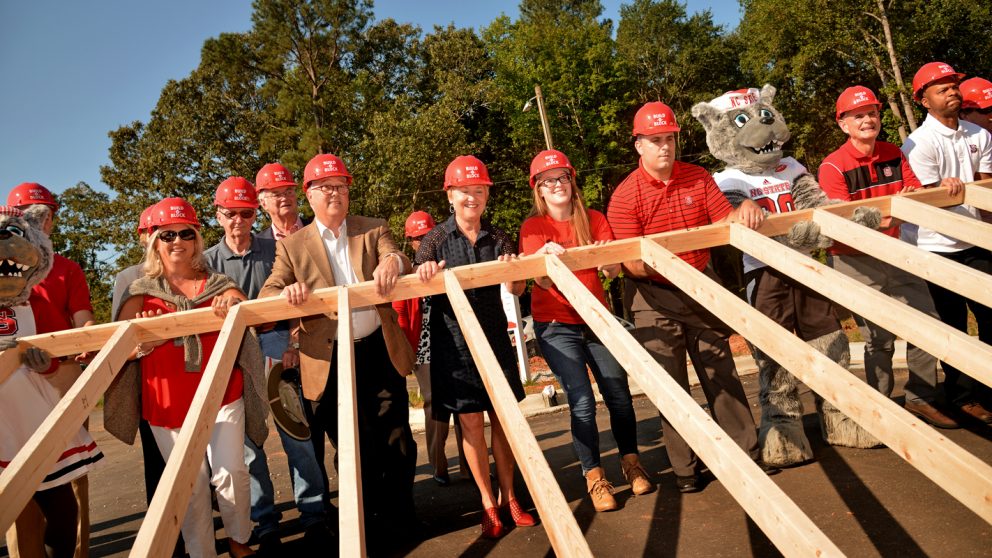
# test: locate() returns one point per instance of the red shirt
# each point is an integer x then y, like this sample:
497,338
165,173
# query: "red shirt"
690,198
166,388
849,175
62,293
548,305
410,318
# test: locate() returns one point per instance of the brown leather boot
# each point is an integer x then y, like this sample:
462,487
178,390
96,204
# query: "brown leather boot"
600,490
634,473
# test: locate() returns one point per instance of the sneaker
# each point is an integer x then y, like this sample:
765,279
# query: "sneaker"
688,483
634,473
600,491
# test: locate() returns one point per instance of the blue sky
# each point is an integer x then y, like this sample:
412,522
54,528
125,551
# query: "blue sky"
73,71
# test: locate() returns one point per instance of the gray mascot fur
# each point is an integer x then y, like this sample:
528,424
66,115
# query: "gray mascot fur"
746,132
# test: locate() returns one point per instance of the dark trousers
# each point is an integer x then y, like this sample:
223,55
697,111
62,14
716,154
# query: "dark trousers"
959,388
388,451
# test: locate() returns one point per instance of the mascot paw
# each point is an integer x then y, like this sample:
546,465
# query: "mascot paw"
37,359
868,216
7,343
840,430
784,444
806,235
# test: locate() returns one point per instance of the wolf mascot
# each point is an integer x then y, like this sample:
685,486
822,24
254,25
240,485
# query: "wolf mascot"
745,131
26,398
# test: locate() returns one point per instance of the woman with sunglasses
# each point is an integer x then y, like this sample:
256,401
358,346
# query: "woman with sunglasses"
466,238
560,221
177,278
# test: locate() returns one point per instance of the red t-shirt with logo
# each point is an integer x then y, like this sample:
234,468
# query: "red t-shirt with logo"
549,305
60,295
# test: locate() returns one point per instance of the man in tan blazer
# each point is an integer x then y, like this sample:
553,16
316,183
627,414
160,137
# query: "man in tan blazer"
341,249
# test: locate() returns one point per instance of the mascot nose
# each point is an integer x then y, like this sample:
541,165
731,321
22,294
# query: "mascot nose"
767,120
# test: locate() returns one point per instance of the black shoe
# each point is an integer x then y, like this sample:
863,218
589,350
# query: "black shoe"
767,468
317,539
442,480
269,544
688,483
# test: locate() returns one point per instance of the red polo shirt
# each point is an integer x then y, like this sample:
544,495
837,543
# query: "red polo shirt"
643,206
62,293
849,175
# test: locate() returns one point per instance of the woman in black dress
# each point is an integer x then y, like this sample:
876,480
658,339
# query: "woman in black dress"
465,238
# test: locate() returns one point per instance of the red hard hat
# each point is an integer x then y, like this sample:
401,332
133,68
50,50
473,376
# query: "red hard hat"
855,98
930,73
31,193
466,170
323,166
547,160
273,175
172,211
236,193
418,224
145,221
654,118
976,93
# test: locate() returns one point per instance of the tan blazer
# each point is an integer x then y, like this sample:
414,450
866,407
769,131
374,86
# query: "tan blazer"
302,257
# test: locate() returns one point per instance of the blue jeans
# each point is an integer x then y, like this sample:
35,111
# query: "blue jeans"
568,348
306,474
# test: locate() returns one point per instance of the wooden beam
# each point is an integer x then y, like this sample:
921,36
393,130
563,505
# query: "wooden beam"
157,536
779,518
979,194
931,266
945,222
351,520
21,478
930,334
965,477
564,533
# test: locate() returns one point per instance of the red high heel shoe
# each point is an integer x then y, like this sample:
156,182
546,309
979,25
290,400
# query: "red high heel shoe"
492,527
518,515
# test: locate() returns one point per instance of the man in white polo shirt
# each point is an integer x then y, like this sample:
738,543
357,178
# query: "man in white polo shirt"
948,151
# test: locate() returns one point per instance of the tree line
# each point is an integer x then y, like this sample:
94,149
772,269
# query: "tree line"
397,102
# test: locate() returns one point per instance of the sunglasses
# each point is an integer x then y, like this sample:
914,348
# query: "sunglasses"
243,213
185,234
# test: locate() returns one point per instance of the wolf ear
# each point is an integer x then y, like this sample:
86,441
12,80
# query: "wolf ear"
768,94
706,114
36,215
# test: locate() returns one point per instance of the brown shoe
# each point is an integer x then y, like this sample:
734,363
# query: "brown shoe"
634,473
931,415
975,410
600,491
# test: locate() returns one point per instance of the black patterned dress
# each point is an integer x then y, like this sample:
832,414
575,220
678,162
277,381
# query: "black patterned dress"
455,382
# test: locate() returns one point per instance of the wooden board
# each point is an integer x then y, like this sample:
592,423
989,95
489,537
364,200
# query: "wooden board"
962,475
979,194
779,518
930,334
26,471
556,517
351,520
157,536
930,266
945,222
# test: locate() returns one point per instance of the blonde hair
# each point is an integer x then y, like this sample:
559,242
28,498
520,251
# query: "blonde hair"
580,216
154,267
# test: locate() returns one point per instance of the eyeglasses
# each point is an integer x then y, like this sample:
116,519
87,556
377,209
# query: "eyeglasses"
185,234
243,213
285,193
328,189
552,182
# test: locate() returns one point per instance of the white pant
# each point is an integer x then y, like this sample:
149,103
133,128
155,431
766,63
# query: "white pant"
226,457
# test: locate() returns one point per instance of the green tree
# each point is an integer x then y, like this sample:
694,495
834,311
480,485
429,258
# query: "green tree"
78,235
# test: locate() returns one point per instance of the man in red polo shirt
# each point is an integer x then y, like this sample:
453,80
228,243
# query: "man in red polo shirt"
866,168
661,195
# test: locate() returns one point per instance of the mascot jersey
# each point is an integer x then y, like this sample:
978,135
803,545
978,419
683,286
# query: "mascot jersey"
771,191
26,399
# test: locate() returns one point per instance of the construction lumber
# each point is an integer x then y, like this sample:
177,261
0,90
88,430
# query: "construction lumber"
564,533
157,536
26,471
979,194
945,222
930,266
930,334
351,521
961,474
792,532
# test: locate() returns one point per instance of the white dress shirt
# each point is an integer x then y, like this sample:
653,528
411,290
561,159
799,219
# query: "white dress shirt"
364,320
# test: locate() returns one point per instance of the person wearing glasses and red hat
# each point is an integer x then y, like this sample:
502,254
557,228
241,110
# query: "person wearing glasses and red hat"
863,168
664,194
177,278
976,102
949,151
339,249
